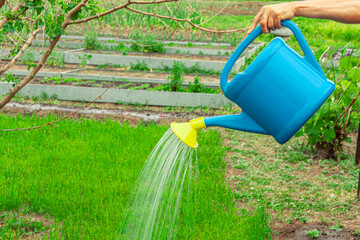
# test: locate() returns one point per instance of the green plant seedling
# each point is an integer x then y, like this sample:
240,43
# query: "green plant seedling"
313,233
44,95
337,227
10,79
324,220
84,60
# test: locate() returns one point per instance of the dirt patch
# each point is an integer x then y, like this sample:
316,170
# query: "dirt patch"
152,75
118,72
297,231
100,111
164,55
25,225
19,67
120,85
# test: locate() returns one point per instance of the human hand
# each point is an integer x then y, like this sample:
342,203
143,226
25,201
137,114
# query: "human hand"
270,16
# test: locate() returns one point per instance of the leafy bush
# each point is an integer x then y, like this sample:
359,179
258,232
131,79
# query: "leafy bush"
10,79
197,86
147,44
91,42
330,126
56,60
139,66
84,59
176,79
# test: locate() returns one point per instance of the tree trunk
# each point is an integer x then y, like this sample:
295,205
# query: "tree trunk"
357,155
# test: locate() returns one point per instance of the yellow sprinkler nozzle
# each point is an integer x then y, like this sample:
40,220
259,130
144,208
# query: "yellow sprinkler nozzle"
187,132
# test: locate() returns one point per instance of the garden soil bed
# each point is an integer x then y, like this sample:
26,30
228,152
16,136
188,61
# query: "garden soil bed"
99,111
296,231
118,72
107,84
162,55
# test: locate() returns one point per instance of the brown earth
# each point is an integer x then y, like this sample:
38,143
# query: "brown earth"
33,217
119,72
129,113
166,56
296,231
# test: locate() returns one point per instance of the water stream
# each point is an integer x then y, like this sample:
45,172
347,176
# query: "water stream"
153,209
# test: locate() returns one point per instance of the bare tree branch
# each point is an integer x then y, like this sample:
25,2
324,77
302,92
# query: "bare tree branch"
348,111
186,20
14,10
42,61
118,8
74,10
22,50
151,2
99,15
67,22
347,108
220,11
2,3
32,74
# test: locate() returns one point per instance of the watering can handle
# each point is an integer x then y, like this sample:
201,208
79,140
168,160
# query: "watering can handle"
308,55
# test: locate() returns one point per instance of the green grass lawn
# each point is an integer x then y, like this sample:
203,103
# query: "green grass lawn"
79,174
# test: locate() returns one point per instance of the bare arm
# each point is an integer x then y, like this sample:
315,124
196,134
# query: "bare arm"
341,11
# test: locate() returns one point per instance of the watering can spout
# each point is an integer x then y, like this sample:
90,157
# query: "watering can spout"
187,132
241,122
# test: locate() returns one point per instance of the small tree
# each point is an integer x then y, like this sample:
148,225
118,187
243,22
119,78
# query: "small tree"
23,20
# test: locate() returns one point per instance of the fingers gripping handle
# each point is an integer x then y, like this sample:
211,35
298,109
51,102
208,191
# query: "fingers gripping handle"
308,55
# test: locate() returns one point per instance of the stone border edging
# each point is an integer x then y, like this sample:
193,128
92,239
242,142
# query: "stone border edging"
153,98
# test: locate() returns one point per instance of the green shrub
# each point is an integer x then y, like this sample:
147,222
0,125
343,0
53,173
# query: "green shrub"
91,42
139,66
147,44
330,126
176,79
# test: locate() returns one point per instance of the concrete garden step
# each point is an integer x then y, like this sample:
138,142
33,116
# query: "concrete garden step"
152,98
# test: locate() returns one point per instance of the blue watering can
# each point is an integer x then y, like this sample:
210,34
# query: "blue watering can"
278,92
